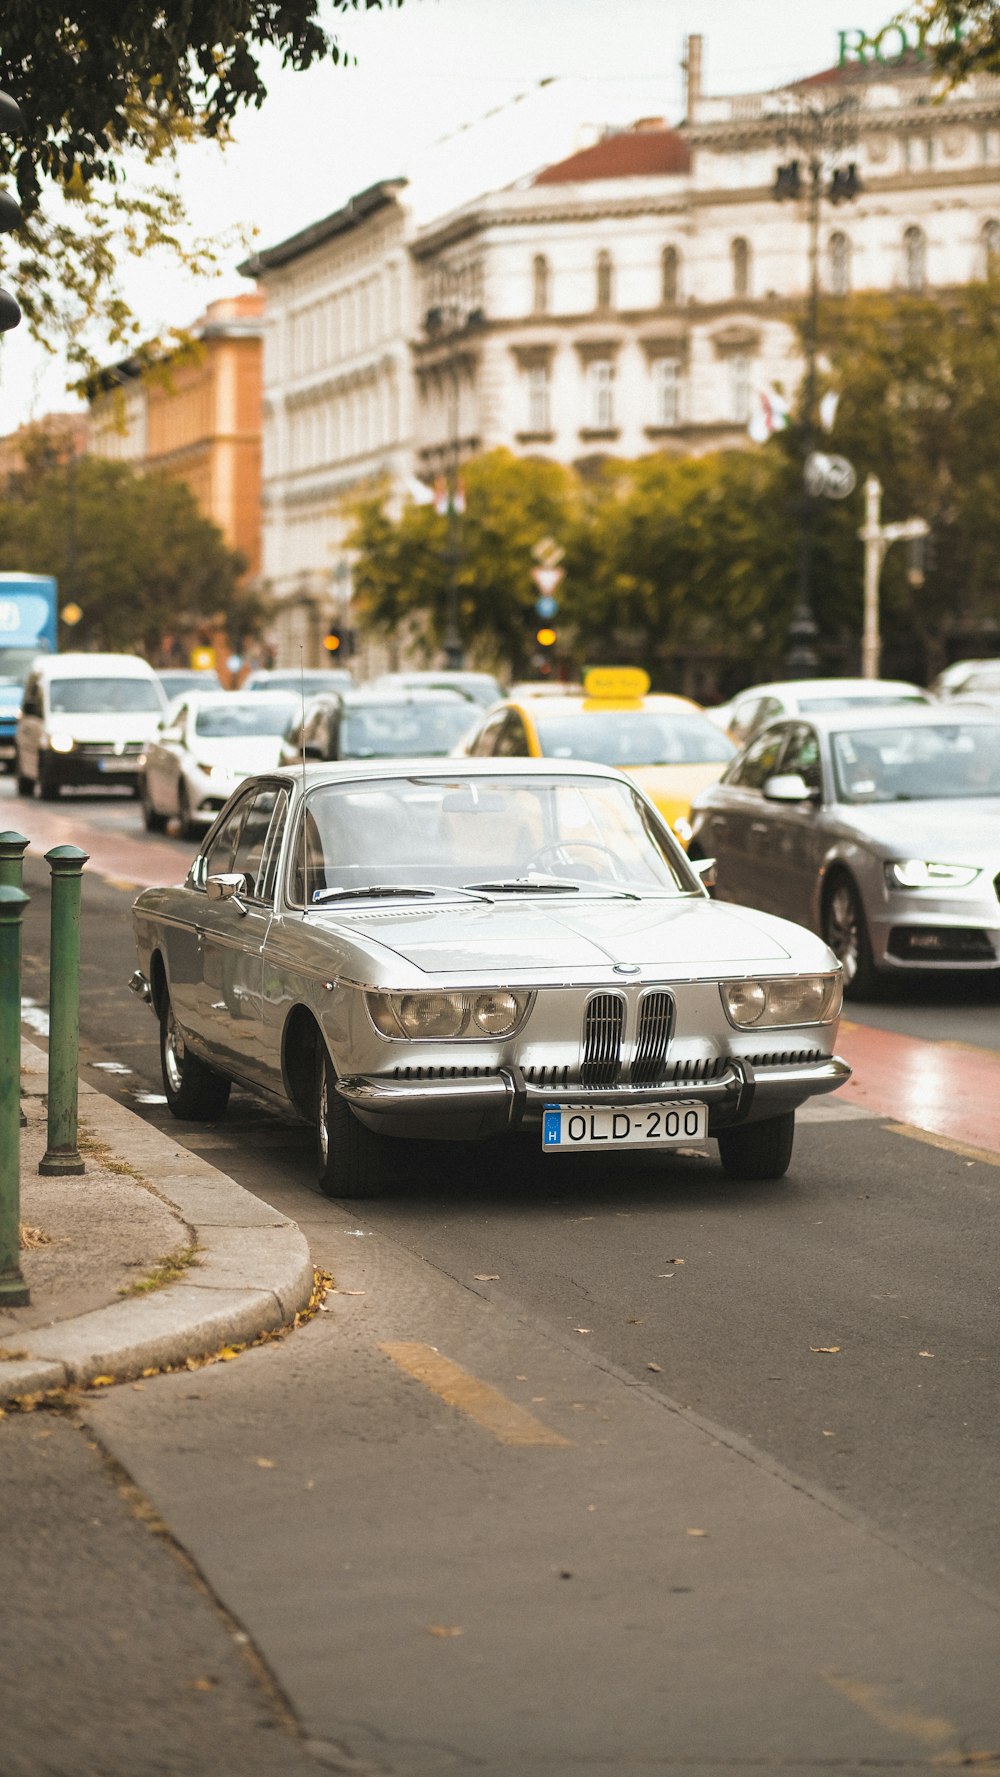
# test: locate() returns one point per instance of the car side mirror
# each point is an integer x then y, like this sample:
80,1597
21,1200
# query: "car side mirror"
789,786
228,887
705,870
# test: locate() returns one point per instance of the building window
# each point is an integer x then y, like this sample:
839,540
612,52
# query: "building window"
740,371
670,275
540,285
601,393
907,147
740,251
991,247
604,280
667,384
840,264
914,260
539,410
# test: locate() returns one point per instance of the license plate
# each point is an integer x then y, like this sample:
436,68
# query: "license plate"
567,1127
116,764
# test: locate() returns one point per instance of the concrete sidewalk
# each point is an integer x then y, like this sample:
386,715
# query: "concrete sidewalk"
98,1246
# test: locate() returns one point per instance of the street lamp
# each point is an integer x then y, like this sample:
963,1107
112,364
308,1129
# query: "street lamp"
449,323
877,538
821,132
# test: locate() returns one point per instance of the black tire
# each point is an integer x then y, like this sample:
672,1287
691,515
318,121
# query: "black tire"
49,781
758,1150
186,824
153,822
353,1160
846,931
194,1090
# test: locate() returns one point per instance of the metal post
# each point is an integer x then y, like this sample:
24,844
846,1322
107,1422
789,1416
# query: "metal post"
66,863
452,642
12,849
801,658
14,1291
871,640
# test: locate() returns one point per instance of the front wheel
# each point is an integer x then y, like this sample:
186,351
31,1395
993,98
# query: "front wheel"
353,1160
152,820
846,931
186,824
194,1090
758,1150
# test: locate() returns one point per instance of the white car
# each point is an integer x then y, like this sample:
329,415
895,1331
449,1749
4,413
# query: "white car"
85,719
751,709
207,743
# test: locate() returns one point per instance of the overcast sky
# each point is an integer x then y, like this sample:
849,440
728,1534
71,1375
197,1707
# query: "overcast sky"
449,93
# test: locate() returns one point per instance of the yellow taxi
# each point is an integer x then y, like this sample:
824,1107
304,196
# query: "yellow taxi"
667,744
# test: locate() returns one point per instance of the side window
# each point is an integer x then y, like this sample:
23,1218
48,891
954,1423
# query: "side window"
744,718
486,745
802,755
513,742
272,848
249,854
222,850
760,760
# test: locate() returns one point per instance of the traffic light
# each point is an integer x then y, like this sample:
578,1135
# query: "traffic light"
10,211
546,638
545,642
333,641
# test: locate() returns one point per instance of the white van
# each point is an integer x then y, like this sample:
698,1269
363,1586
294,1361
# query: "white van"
86,719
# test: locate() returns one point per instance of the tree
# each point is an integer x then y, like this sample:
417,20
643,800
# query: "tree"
102,89
134,552
965,34
404,568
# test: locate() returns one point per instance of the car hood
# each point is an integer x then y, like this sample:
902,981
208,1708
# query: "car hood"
107,725
680,937
959,830
242,756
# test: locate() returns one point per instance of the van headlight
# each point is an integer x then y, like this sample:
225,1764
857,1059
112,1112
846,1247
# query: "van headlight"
496,1012
793,999
61,743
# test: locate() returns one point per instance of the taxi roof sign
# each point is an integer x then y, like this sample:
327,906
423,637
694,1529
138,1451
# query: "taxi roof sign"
616,681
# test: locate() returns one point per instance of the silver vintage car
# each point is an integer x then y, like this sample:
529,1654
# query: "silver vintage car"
468,948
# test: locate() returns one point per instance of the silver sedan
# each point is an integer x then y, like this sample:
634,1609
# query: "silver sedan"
206,744
465,948
880,830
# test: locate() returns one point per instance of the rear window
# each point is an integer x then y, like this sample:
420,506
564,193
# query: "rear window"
103,697
633,737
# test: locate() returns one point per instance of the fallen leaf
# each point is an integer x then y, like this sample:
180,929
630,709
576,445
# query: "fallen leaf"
829,1434
675,1261
925,1354
697,1533
101,1382
487,1277
664,1274
520,1378
347,1293
583,1329
830,1348
655,1367
204,1684
443,1629
635,1320
264,1462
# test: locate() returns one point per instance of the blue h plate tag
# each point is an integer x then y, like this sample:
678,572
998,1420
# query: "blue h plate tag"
551,1129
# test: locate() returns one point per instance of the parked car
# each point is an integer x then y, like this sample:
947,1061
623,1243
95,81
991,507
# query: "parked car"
480,688
304,684
472,949
85,719
665,743
967,676
374,724
207,743
879,828
177,679
752,709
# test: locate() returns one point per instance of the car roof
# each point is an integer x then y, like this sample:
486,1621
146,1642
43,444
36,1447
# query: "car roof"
215,698
348,770
94,666
543,703
389,697
914,715
830,687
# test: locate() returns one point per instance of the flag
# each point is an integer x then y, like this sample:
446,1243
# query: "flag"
441,497
828,409
458,497
768,414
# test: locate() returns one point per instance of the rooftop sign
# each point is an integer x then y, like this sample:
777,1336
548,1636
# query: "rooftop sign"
890,44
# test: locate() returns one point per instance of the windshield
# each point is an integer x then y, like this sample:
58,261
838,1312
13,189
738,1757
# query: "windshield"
849,700
308,683
103,697
919,764
633,737
464,832
244,721
392,730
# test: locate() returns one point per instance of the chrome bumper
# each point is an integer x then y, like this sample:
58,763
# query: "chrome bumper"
138,983
464,1109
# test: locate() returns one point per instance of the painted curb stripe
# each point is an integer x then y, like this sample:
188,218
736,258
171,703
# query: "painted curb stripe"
507,1422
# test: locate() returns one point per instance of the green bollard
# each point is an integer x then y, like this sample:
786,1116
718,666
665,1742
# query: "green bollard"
13,1289
61,1156
12,849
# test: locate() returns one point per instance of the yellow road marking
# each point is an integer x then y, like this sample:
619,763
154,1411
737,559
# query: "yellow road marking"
120,882
943,1141
875,1701
493,1411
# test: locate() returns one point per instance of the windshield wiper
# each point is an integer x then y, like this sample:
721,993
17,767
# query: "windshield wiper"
381,890
524,885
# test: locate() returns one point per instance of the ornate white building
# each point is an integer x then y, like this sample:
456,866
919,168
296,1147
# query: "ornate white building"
629,298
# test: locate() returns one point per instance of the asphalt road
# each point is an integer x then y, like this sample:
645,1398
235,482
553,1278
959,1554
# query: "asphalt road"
765,1396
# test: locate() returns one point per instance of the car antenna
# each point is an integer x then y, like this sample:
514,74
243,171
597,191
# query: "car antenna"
302,750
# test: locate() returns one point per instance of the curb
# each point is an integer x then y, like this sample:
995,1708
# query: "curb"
254,1271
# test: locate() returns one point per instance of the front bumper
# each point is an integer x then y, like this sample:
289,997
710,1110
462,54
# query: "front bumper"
467,1109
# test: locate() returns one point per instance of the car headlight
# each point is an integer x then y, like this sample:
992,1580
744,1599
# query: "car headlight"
61,743
494,1013
918,873
792,999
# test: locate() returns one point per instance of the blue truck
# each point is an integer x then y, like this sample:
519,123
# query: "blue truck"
28,626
